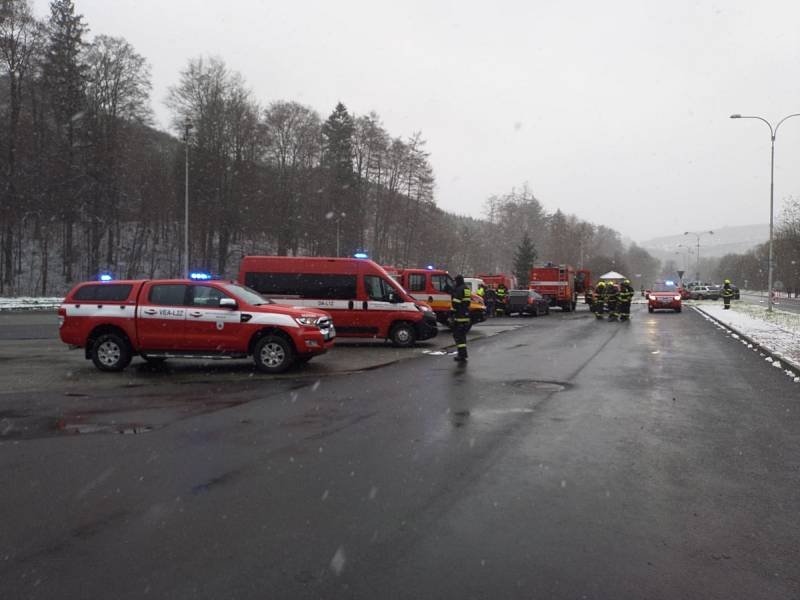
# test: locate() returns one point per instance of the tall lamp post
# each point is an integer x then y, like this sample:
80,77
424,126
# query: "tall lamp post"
187,125
697,234
339,217
772,133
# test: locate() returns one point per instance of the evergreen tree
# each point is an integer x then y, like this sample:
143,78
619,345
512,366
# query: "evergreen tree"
65,79
524,258
337,160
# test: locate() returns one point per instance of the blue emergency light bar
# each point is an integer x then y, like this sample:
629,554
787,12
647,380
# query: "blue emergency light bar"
360,255
429,267
105,277
669,282
200,276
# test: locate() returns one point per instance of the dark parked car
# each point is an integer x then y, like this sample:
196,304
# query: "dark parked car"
527,302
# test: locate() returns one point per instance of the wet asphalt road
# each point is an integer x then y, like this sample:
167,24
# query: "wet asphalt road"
569,459
35,325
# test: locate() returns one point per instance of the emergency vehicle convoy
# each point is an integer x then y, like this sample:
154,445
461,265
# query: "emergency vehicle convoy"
433,286
184,318
493,281
556,283
361,297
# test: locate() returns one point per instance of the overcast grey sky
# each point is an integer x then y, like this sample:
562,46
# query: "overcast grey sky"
614,111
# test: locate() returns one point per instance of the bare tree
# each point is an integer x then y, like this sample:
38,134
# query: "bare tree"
20,38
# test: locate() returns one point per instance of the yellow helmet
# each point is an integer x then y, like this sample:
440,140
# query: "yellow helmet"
728,281
602,283
627,281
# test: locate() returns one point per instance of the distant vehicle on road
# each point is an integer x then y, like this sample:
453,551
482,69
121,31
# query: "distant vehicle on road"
556,283
704,292
527,303
183,318
664,295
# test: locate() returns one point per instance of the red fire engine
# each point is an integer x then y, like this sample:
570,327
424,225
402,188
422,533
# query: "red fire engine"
556,283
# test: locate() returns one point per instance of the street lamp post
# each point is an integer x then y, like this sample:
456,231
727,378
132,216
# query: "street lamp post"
339,217
187,124
772,133
697,234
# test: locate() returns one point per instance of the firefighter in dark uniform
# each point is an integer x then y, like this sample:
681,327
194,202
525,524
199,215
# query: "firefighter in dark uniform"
490,297
626,293
612,300
502,298
727,294
461,296
599,300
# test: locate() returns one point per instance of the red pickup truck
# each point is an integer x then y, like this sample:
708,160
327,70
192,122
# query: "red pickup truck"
183,318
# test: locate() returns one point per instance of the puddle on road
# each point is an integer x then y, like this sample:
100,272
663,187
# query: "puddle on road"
537,386
118,428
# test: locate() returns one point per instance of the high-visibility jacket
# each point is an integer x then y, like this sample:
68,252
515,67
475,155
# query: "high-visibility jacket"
600,293
727,291
502,292
461,296
625,294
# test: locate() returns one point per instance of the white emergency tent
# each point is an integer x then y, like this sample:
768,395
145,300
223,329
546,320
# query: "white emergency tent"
612,276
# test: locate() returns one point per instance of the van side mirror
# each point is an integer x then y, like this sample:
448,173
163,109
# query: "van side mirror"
228,303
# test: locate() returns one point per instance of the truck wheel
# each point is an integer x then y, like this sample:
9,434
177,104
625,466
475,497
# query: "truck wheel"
565,307
574,305
111,352
650,309
677,310
273,354
403,335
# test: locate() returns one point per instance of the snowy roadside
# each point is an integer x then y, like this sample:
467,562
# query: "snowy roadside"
776,336
29,303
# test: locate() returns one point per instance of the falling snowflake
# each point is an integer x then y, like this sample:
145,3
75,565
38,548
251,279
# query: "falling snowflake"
338,561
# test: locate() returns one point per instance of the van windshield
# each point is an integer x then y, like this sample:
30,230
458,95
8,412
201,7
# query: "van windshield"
247,295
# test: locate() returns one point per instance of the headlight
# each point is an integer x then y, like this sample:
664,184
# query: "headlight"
307,320
677,297
423,308
651,297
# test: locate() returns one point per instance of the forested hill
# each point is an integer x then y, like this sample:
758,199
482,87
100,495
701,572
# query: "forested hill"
89,186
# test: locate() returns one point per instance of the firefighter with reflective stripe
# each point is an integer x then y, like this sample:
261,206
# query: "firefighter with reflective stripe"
727,294
502,298
599,299
461,296
626,293
612,300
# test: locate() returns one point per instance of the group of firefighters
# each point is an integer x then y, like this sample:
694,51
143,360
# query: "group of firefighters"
495,300
608,297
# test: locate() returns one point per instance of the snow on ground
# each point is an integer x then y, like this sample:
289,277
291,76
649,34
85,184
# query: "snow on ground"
779,332
29,303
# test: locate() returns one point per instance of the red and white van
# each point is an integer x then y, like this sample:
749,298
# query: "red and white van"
433,287
183,318
361,297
